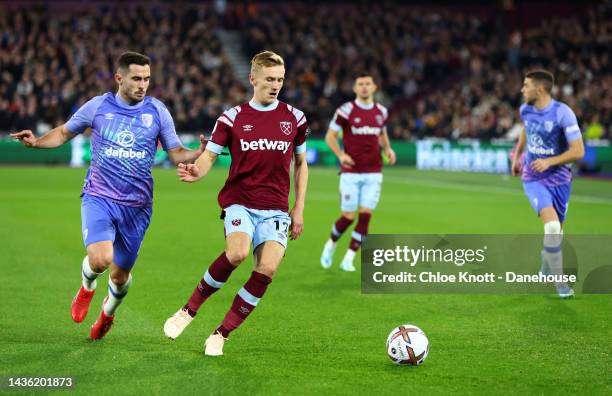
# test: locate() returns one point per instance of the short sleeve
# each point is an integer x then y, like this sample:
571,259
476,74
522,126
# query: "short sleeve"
220,137
339,121
83,118
567,120
167,133
300,137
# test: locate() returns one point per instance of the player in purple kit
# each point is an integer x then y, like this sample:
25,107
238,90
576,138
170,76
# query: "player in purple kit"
553,140
362,124
118,191
263,137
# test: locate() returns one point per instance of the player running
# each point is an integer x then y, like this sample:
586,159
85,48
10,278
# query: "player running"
263,136
553,139
362,124
118,191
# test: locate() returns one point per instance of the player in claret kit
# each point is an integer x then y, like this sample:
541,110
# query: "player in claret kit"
362,124
553,140
263,136
118,191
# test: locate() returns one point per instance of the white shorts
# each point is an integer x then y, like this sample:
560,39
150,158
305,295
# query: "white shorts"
359,190
260,225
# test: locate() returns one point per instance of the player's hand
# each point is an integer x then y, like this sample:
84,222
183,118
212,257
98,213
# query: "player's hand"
516,167
203,142
297,223
390,154
26,137
346,160
188,173
540,165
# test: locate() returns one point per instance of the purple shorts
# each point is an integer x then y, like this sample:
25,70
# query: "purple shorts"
542,196
105,220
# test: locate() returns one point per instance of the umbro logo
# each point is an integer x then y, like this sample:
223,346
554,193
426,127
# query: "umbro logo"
108,116
357,119
236,222
247,128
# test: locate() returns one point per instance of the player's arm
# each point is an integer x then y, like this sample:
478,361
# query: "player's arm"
181,154
191,173
518,150
331,138
300,181
573,153
386,146
54,138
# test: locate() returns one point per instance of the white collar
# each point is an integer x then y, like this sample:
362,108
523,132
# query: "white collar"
259,107
365,106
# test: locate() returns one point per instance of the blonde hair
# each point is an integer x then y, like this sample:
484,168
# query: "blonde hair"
266,59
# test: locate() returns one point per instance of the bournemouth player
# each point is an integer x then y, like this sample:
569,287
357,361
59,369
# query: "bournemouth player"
553,140
118,191
362,124
263,137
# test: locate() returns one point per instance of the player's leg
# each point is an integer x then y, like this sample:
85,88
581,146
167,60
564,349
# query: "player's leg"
268,257
132,224
270,241
553,217
543,202
368,200
349,201
98,235
238,230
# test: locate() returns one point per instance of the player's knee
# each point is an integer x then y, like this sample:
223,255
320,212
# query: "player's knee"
349,216
552,227
119,278
267,270
100,261
237,255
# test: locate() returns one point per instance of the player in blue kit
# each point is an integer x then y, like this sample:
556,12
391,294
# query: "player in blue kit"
118,191
553,140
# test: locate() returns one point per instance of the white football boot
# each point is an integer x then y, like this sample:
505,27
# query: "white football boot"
213,346
175,325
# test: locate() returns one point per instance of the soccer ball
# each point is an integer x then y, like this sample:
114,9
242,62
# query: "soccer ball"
407,344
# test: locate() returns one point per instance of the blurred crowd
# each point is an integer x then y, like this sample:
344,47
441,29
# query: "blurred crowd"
442,73
51,62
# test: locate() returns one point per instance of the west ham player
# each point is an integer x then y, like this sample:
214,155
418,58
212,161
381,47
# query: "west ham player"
362,124
118,191
262,136
553,139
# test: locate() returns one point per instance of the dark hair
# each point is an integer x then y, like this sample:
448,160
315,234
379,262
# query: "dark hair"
542,77
363,74
132,58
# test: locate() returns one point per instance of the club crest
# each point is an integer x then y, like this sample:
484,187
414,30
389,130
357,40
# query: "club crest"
380,120
147,119
285,127
548,125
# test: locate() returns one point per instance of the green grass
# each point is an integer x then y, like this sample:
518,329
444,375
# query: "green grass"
314,332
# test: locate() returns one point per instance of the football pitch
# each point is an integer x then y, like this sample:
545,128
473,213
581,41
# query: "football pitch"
314,332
